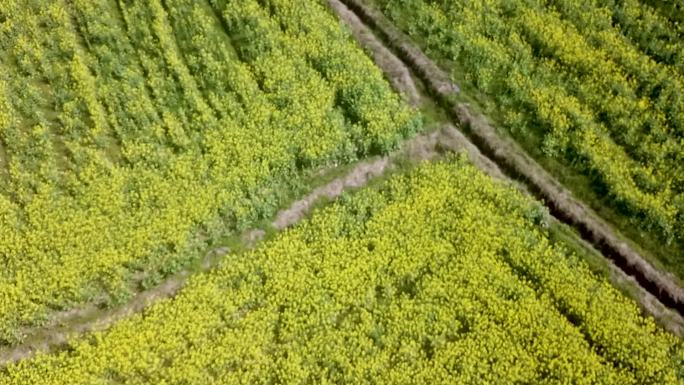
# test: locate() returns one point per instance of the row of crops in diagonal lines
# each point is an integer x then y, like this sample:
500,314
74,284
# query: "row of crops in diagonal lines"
126,127
598,85
438,275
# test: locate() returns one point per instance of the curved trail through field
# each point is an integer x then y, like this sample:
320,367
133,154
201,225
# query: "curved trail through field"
654,285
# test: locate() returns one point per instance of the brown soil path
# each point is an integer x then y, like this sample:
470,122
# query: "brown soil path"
655,287
63,325
422,147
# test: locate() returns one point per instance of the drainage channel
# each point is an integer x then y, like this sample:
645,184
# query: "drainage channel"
517,163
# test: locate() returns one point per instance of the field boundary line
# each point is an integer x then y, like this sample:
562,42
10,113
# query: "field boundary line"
510,157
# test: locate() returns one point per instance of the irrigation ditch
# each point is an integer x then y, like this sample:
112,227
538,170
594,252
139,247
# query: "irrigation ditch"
519,166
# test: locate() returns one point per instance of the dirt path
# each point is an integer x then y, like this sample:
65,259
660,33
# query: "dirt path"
395,70
65,325
422,147
655,287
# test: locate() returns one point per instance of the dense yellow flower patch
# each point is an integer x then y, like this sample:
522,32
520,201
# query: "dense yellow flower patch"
127,127
436,276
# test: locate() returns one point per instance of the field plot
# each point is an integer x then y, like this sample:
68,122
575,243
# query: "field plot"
593,89
135,134
439,275
130,132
